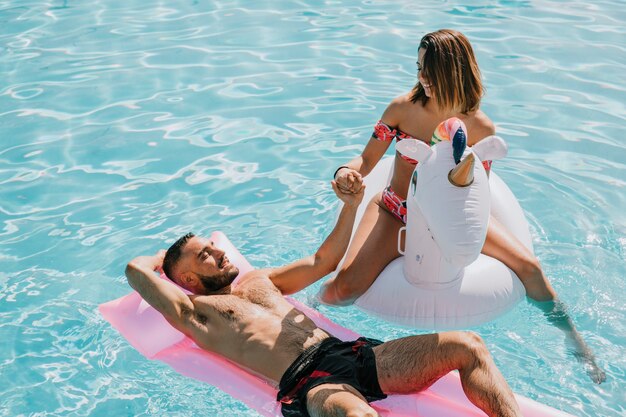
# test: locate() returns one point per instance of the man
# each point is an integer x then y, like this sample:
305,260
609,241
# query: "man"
318,375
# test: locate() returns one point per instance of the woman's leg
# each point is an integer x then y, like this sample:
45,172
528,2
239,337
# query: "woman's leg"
374,245
506,248
414,363
503,246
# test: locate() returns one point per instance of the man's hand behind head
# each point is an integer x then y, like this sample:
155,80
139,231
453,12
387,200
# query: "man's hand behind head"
158,258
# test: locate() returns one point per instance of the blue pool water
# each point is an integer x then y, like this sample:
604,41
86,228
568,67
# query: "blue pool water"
124,124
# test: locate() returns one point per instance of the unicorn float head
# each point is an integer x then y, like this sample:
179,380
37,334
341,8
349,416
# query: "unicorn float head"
448,204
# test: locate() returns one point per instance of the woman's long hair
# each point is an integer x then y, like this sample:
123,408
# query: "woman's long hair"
450,67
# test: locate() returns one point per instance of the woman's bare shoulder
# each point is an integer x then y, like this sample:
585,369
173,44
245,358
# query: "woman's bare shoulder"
481,127
397,109
404,102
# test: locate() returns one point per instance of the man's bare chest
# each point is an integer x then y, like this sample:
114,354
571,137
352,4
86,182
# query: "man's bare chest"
246,302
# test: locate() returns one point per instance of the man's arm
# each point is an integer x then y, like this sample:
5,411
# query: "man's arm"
304,272
164,296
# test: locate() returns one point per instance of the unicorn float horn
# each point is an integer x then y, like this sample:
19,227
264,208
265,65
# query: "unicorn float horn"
462,175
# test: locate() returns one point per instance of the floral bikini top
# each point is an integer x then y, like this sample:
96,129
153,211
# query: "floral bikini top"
385,133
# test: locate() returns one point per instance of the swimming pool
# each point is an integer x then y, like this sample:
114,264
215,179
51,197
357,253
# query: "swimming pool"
124,124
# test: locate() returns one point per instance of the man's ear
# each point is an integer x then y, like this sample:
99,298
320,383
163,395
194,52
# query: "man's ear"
188,280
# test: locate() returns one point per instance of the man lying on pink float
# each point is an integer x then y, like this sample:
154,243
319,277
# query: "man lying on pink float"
231,326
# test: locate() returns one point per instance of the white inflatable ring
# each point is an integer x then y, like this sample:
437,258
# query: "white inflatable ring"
487,290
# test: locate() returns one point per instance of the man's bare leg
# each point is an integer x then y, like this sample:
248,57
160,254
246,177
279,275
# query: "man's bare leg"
337,400
414,363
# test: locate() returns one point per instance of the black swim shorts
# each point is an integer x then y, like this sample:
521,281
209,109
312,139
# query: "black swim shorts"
330,361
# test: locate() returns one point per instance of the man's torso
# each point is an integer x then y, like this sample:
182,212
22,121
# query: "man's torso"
253,326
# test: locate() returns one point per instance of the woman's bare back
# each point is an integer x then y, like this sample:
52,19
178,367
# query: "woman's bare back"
420,121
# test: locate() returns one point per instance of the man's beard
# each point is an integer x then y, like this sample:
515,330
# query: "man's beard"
219,281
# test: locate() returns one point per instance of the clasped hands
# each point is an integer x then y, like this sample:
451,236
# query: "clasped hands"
348,186
349,181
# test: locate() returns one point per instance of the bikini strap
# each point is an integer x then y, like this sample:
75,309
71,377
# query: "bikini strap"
383,132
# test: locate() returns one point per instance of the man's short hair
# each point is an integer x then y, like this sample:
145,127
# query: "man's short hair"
173,255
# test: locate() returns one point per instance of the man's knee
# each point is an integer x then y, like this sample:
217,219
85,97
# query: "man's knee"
474,347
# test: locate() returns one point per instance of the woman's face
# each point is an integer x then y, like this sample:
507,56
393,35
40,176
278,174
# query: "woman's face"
420,77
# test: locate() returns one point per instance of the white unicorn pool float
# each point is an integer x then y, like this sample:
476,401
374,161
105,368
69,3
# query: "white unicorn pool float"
443,281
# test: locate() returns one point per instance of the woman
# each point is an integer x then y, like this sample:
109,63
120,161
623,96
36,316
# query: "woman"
448,85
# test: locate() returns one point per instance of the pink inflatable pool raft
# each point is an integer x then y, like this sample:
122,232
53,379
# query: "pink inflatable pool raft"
148,332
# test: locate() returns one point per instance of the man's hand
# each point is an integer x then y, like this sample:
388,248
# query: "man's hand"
352,199
154,262
349,181
158,260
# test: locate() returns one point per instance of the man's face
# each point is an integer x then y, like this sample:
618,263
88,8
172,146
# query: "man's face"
203,267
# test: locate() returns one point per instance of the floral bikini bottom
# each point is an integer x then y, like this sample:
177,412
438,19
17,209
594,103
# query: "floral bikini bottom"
395,204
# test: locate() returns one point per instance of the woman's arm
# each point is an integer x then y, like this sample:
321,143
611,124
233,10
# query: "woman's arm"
350,176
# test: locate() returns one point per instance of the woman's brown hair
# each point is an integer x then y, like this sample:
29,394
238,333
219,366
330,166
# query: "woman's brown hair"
450,67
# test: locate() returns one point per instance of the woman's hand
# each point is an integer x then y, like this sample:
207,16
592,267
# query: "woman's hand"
352,199
349,180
